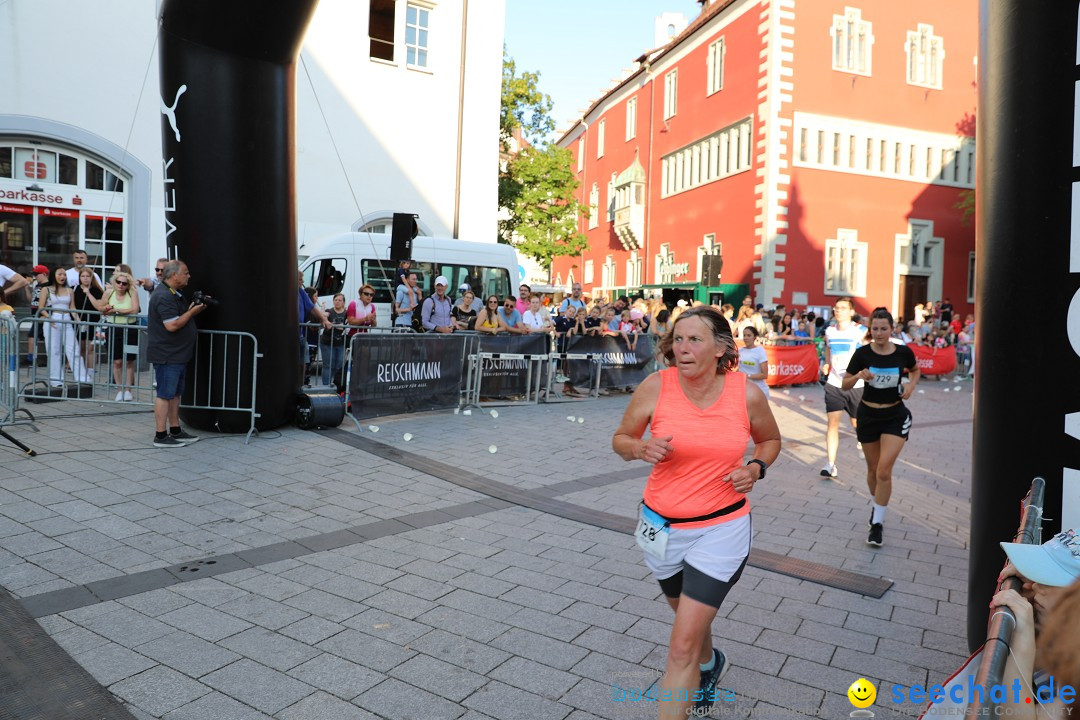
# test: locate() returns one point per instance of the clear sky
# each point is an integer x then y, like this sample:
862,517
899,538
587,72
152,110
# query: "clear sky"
580,46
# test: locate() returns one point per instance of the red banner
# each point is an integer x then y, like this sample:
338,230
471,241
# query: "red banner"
60,212
935,361
20,209
792,365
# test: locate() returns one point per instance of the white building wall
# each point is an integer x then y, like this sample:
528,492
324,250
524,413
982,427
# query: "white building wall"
94,66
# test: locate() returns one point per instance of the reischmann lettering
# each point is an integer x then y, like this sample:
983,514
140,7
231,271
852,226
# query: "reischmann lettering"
402,372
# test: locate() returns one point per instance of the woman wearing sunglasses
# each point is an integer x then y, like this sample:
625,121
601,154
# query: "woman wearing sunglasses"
361,314
120,308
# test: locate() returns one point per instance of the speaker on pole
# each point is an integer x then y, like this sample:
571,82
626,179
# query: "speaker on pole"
711,265
403,232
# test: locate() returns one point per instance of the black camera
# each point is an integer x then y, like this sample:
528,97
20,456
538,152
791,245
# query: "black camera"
198,298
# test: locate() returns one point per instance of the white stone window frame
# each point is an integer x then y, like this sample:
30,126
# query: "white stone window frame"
671,94
931,257
601,131
594,207
420,7
852,43
608,277
842,279
925,54
714,66
631,119
611,198
581,153
588,271
633,270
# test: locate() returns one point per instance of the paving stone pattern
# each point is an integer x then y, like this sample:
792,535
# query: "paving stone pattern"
509,613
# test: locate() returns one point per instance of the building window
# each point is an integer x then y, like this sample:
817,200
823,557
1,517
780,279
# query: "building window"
588,271
671,91
845,264
717,156
600,132
633,270
852,40
581,153
971,277
631,118
715,67
925,56
381,29
611,198
607,273
416,35
594,207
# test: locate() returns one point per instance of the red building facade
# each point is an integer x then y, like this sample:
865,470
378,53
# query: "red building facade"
819,147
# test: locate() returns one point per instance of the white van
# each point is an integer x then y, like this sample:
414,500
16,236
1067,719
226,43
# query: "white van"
343,263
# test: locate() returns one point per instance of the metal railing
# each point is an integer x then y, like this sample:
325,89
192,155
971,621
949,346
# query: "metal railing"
1002,621
90,360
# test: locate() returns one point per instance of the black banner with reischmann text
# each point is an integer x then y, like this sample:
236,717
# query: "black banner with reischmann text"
620,366
503,377
398,373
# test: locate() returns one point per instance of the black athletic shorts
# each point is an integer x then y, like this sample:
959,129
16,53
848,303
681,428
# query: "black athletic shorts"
875,422
840,399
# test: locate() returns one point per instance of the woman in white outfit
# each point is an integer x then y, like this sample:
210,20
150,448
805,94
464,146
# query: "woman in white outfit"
752,359
60,338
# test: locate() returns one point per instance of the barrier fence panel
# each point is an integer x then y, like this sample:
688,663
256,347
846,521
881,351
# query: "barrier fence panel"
792,364
509,369
326,353
620,366
9,357
392,373
87,359
227,382
104,362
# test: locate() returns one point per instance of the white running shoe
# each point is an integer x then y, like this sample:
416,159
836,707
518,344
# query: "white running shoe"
128,397
120,396
829,470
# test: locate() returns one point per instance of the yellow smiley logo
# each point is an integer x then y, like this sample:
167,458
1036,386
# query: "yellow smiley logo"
862,693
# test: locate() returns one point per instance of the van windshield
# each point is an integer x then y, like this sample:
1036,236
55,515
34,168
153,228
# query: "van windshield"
484,281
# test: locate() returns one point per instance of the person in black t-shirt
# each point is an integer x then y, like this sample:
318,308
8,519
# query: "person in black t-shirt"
883,419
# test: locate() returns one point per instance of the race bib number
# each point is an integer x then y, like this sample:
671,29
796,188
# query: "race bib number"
652,532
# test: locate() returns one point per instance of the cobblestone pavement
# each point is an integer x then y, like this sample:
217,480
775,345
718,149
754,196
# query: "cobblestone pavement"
346,585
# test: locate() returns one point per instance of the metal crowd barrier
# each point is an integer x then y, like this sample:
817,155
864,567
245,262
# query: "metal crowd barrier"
1002,621
481,362
556,394
94,361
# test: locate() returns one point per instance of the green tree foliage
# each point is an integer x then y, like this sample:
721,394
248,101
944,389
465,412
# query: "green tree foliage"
537,184
524,106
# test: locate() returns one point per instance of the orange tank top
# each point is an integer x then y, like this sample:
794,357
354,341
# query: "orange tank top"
708,444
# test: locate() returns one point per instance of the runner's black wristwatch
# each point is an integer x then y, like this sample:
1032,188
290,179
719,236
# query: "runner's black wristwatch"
764,467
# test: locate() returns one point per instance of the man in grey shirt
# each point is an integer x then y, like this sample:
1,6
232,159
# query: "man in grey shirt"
435,314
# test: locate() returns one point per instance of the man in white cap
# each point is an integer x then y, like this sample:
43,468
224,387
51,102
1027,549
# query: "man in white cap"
435,313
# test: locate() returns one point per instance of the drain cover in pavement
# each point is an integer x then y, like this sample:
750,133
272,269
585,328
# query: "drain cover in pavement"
39,681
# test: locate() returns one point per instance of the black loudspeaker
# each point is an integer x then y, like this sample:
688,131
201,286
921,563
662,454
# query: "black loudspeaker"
711,265
319,406
404,230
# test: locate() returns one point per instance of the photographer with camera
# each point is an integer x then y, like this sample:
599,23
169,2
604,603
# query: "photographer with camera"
172,332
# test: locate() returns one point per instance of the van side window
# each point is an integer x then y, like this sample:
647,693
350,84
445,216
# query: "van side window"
326,275
484,281
382,275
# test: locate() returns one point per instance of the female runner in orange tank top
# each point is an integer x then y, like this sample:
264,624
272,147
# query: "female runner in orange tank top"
695,519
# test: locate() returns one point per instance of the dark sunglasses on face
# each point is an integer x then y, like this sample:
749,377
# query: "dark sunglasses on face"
368,294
